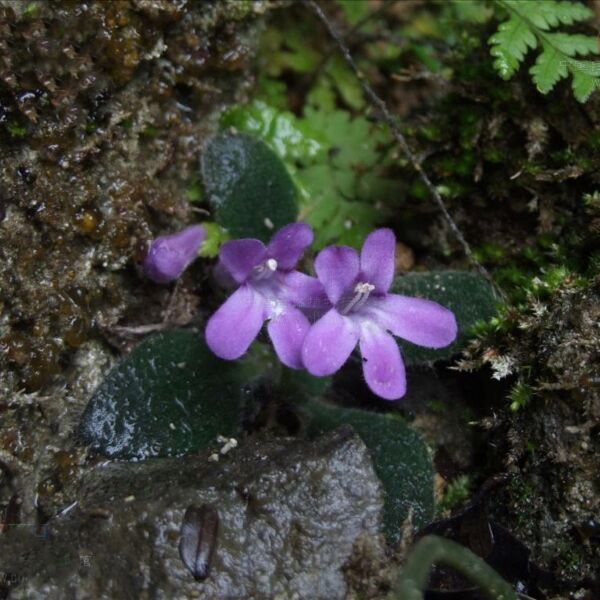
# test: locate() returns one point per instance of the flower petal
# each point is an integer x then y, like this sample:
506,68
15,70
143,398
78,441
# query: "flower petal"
170,255
239,257
231,330
377,259
223,277
419,321
382,364
304,291
287,332
337,269
288,244
328,343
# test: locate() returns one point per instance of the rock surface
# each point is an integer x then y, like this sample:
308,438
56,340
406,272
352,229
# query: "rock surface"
104,109
290,513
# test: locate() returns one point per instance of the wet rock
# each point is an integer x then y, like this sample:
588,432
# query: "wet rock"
289,515
104,107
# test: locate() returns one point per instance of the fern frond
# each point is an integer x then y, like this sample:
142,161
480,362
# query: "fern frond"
510,44
548,14
586,78
573,43
549,68
529,27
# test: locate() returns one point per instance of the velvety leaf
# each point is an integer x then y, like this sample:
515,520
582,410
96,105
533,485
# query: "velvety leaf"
467,294
248,186
400,458
171,395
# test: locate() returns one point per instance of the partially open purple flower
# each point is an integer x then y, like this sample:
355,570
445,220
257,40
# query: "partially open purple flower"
270,289
170,255
363,312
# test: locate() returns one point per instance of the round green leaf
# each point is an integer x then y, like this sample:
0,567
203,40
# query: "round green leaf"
171,395
248,186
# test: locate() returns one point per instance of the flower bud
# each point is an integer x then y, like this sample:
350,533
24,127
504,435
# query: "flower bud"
170,255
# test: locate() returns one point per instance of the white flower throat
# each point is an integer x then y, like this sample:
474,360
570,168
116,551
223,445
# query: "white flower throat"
362,290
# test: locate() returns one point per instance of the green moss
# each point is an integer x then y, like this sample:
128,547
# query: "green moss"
519,396
490,253
17,131
31,9
193,191
456,492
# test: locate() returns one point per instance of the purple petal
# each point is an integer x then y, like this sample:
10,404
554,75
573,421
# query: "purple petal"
170,255
377,259
382,364
419,321
223,277
288,244
239,257
328,343
337,269
304,291
231,330
287,332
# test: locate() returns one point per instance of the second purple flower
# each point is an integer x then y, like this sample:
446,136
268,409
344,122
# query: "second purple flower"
363,312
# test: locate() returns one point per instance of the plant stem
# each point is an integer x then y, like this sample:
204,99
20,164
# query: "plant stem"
432,549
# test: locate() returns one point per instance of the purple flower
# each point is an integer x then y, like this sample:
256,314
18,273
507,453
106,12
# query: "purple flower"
270,289
170,255
363,312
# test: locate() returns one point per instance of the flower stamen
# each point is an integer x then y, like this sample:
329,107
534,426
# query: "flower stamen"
361,293
265,269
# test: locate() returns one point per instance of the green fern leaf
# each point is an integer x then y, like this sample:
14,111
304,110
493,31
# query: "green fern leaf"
586,78
529,26
548,14
573,44
510,45
549,68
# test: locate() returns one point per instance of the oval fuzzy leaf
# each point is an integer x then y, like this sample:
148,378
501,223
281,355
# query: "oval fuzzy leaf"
467,294
171,395
248,186
400,458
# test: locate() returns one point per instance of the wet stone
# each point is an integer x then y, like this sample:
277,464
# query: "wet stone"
289,514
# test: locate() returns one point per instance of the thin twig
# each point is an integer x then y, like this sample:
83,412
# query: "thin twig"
400,139
329,52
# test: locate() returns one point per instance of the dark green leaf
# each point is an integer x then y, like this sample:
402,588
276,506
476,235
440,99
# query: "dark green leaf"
400,458
169,396
248,186
468,295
